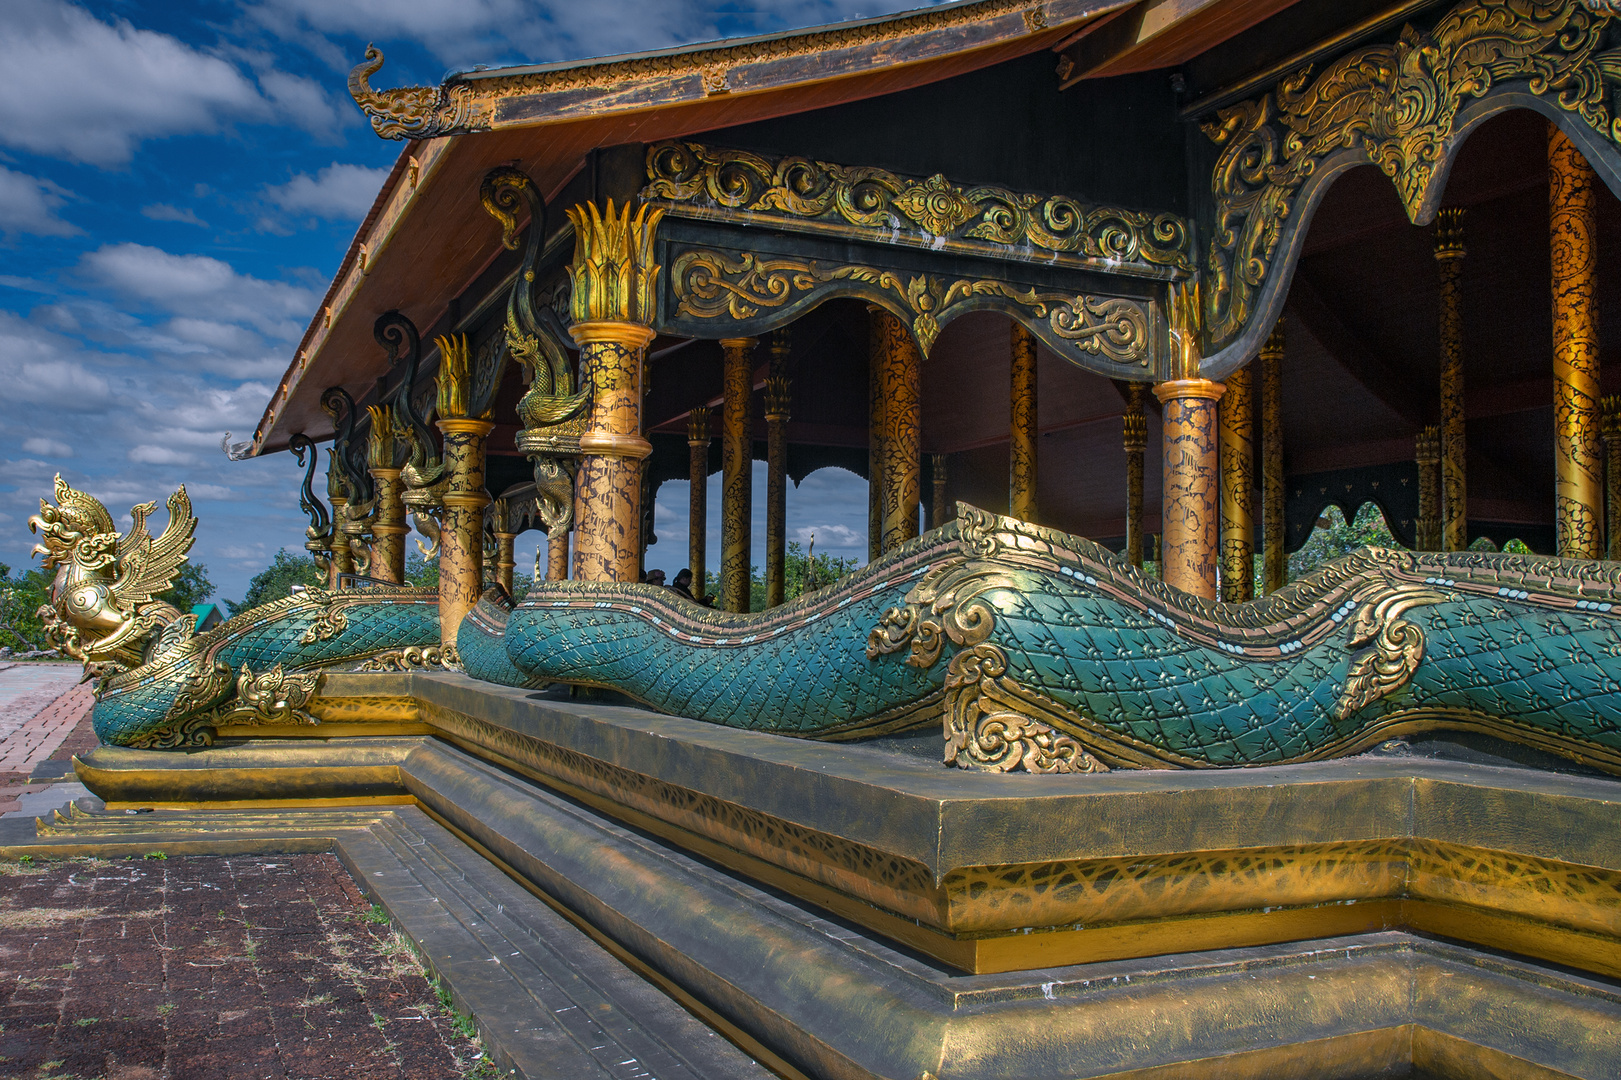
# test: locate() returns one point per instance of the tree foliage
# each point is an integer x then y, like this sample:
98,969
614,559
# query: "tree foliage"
1335,537
276,581
20,599
190,588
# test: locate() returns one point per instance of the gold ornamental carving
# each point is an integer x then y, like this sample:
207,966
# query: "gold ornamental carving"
103,608
416,112
614,272
1392,648
985,729
270,697
712,284
1397,106
864,202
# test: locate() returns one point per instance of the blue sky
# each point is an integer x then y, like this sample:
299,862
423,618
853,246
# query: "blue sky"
178,181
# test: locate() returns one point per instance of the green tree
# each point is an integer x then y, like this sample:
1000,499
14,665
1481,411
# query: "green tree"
421,572
20,600
190,588
276,581
1334,537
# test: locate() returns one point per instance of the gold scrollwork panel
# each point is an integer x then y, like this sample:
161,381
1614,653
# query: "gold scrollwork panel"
719,293
1396,106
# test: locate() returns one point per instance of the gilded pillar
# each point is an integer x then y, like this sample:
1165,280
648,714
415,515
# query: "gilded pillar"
1192,484
1274,564
337,493
388,527
938,472
1573,244
505,561
613,277
1610,408
557,554
1238,489
1427,454
698,504
777,399
900,387
875,432
1134,425
461,531
1023,433
1449,253
737,464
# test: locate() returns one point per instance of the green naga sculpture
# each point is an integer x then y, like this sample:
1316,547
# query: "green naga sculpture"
1034,650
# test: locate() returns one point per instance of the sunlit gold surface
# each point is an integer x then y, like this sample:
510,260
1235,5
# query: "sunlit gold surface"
1024,431
1191,500
1573,245
461,556
1237,454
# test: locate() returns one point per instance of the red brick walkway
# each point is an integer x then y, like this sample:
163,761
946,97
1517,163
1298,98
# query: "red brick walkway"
200,968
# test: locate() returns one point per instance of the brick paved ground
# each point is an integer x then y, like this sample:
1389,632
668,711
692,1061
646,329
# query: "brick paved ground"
44,718
198,968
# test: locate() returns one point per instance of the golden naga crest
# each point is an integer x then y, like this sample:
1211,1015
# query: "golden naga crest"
103,608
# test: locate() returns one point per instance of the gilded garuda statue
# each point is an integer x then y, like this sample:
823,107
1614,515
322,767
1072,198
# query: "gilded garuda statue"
104,609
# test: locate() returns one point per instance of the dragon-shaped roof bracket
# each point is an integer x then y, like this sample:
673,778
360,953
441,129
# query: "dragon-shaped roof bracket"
535,335
347,465
399,337
318,537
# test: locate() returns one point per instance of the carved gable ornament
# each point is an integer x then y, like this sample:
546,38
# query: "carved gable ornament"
1404,107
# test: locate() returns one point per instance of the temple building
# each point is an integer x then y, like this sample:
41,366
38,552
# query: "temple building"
1108,302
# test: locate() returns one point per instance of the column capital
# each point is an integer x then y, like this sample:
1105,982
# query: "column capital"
1179,389
613,271
608,444
628,334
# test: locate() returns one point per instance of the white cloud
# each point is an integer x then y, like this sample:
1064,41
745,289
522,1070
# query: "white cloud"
73,86
343,192
28,204
41,368
148,454
828,536
53,448
165,212
193,285
514,31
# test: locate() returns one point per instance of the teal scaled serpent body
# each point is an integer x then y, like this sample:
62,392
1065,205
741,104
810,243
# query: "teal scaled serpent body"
1044,650
167,702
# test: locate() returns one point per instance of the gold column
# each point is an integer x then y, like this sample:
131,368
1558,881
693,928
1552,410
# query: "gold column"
940,476
337,493
1611,410
1573,244
505,560
737,463
900,388
777,400
388,527
1238,489
1274,564
1449,253
875,432
1427,453
1134,425
698,504
461,533
613,276
557,554
1024,433
1192,484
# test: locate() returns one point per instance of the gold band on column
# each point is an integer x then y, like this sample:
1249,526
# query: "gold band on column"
1573,245
461,534
1238,489
1427,455
1023,432
900,386
612,277
1449,252
876,342
777,400
1610,426
938,473
1274,563
698,439
737,472
343,561
388,528
1191,485
1134,438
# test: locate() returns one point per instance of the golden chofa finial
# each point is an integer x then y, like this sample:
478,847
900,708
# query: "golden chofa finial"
1449,233
1186,356
380,445
613,271
455,379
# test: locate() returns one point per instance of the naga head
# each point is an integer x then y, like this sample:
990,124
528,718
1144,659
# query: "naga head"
77,524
